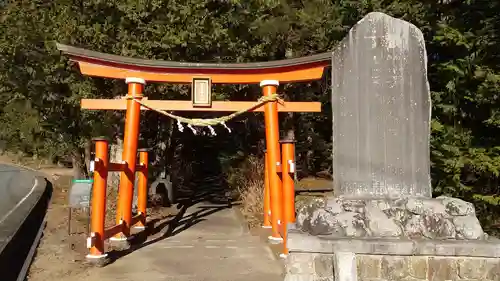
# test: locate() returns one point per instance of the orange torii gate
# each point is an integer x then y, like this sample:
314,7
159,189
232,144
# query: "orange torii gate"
279,198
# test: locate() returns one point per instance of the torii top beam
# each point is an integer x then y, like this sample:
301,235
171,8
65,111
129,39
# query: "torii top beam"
112,66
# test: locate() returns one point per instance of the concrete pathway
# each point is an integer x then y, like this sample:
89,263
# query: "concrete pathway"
216,246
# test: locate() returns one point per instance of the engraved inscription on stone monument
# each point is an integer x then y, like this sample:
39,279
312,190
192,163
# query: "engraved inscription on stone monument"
381,111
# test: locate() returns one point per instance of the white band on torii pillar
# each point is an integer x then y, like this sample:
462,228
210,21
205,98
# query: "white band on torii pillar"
269,83
135,80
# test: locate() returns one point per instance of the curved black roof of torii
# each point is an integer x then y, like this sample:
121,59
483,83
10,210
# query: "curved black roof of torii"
161,64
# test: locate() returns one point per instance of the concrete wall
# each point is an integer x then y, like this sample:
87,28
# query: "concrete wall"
322,267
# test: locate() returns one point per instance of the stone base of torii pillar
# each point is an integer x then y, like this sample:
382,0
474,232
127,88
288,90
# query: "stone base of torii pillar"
382,223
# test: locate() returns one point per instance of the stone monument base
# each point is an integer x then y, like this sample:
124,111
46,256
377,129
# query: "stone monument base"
314,258
378,239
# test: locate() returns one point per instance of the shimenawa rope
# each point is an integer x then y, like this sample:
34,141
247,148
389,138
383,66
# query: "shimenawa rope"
211,121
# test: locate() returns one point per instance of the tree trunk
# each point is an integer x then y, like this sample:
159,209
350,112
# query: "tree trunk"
290,127
87,154
289,123
164,141
78,163
170,150
115,156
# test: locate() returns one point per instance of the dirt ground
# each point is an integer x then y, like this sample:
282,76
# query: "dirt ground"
60,255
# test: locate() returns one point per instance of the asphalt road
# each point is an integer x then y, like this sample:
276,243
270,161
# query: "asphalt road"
21,216
16,184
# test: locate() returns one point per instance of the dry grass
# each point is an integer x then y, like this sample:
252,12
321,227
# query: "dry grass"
111,205
248,180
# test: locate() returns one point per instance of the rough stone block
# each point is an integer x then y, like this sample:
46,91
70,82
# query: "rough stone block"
470,268
441,269
394,267
418,267
408,217
309,267
300,263
377,267
323,266
492,269
369,267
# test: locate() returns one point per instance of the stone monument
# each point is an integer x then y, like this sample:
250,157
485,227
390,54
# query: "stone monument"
382,223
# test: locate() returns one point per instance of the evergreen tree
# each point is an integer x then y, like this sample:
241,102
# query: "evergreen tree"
40,90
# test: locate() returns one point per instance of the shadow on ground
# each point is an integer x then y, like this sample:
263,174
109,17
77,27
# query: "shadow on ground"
215,197
205,182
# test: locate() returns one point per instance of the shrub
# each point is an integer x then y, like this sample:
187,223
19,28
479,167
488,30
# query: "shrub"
248,180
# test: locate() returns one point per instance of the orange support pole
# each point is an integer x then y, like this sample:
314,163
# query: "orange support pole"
142,188
97,236
267,196
130,140
288,155
269,87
